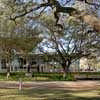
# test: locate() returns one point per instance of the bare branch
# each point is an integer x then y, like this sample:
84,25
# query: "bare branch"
29,11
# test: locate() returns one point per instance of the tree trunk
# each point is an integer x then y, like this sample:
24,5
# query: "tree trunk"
38,68
65,72
29,68
65,69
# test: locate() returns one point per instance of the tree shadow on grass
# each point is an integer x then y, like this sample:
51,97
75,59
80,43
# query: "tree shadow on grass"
56,94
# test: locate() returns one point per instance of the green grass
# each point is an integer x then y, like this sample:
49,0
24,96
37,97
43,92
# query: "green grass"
48,94
24,78
15,76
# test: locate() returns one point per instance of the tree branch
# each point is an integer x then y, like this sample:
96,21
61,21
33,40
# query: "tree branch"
29,11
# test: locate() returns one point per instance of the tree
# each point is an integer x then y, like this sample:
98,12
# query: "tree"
31,10
74,43
15,36
26,8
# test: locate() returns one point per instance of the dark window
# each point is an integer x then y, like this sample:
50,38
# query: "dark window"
3,63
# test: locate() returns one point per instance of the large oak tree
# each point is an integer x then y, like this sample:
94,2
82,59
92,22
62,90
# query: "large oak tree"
21,8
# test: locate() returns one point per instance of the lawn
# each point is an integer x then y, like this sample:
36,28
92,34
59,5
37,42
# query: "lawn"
48,94
15,76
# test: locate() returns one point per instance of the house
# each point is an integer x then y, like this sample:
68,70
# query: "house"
43,63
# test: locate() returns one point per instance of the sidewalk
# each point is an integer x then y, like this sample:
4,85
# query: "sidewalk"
53,84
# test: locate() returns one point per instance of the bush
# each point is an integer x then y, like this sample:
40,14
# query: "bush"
54,76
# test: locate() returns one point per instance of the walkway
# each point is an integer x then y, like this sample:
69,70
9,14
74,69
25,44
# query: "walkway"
84,85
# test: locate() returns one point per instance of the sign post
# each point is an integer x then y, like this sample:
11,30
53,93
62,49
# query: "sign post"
20,84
